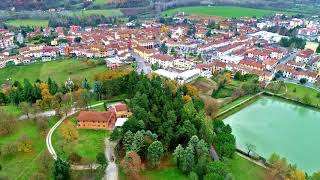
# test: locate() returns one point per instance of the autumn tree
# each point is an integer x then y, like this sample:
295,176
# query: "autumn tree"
131,164
69,132
47,98
45,162
279,166
8,123
155,153
211,107
24,144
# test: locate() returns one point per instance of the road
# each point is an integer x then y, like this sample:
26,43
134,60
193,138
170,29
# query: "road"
112,169
287,58
49,135
142,66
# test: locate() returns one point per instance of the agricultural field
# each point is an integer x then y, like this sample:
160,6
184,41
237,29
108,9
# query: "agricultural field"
24,165
103,12
100,2
88,144
27,22
58,70
223,11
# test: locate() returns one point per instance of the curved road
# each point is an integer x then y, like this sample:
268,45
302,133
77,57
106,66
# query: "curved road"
111,170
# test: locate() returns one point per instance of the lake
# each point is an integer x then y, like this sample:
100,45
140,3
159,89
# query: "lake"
275,125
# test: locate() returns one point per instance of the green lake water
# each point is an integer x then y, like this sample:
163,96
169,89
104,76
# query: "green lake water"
275,125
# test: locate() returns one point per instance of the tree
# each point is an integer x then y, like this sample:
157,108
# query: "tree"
85,84
8,123
211,107
155,153
26,108
69,132
45,162
74,158
101,159
250,147
131,164
61,170
217,169
28,91
279,166
318,48
24,144
163,48
77,39
98,89
303,80
315,176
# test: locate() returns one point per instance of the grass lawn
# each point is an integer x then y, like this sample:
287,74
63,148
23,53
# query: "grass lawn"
59,70
100,2
12,109
233,103
27,22
164,174
23,165
223,11
243,169
296,91
104,12
227,90
88,145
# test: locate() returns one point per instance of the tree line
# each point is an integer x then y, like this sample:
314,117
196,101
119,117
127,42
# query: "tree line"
170,119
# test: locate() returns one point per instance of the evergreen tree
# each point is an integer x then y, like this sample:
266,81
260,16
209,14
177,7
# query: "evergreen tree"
61,170
155,153
28,91
85,84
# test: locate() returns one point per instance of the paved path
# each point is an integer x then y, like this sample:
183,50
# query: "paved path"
45,114
112,169
49,135
239,104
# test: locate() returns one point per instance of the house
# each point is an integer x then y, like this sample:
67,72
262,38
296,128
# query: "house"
113,62
183,64
205,70
304,55
164,60
270,63
188,76
103,120
96,120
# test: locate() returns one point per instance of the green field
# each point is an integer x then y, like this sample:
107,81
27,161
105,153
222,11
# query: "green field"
298,92
27,22
88,145
100,2
104,12
242,169
23,165
223,11
59,70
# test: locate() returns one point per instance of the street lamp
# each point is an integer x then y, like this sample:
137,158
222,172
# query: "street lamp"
69,84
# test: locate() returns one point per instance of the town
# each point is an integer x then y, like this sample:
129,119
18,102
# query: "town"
181,48
177,96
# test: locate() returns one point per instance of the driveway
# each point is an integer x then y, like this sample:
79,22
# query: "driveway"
112,169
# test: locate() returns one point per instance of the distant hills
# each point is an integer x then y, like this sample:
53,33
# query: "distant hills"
163,4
